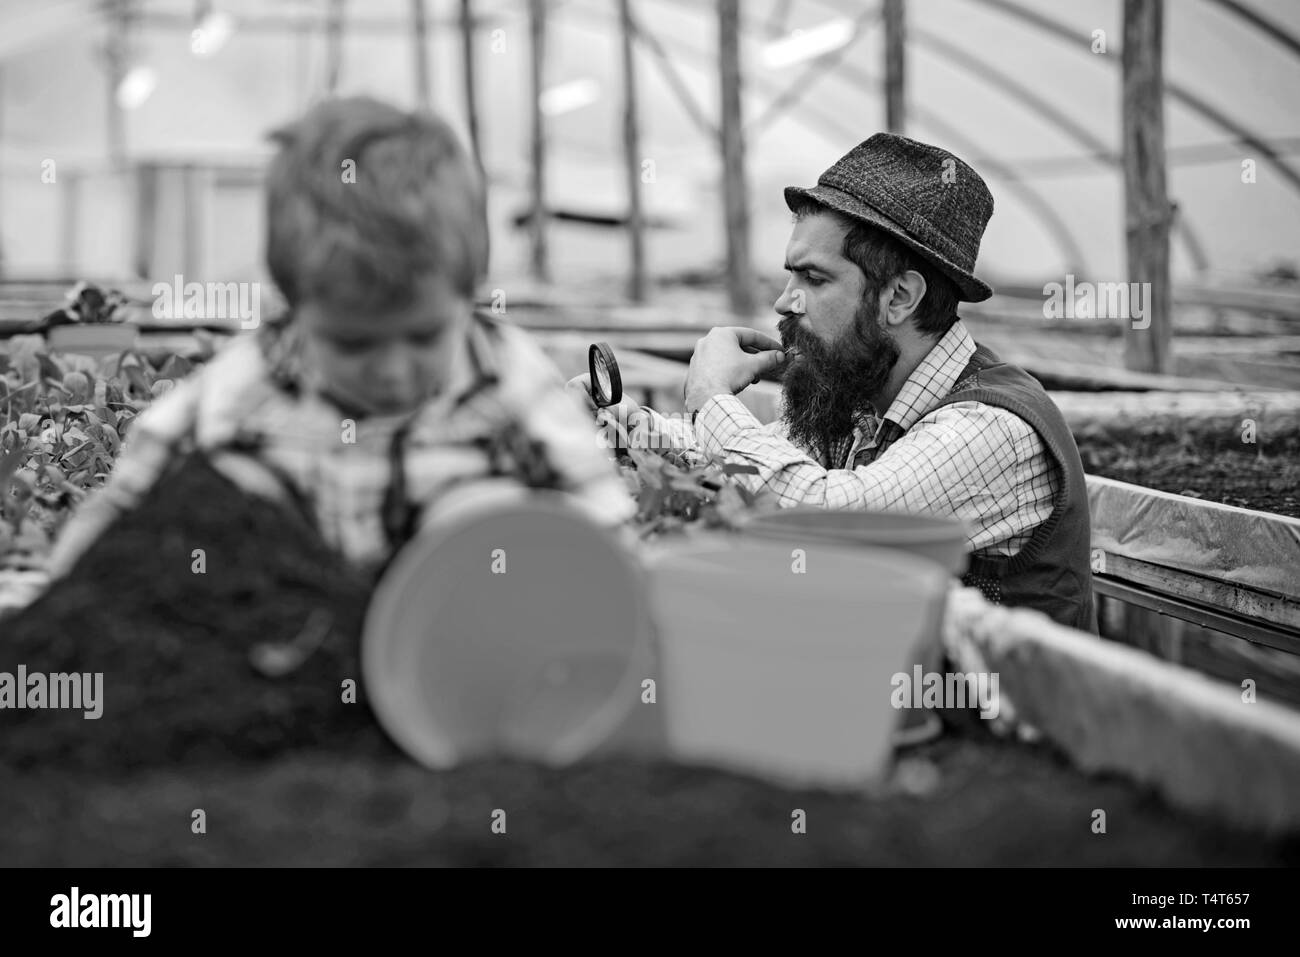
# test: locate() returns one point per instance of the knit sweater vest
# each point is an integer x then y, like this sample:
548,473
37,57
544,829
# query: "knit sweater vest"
1052,571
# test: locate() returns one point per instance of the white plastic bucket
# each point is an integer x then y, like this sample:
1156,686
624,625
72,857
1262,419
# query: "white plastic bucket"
935,537
786,673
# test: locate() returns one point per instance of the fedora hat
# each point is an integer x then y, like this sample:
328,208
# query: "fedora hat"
926,198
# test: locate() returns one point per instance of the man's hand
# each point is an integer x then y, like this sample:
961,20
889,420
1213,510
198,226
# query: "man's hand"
727,360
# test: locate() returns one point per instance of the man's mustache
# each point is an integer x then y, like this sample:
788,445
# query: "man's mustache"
793,338
835,382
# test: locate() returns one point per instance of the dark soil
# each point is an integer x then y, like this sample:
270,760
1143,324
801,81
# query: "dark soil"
174,645
996,804
286,773
1208,462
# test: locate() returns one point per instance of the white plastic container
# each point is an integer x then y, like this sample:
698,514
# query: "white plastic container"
467,657
787,673
93,339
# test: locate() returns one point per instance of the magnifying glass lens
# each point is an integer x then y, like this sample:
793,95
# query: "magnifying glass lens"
604,384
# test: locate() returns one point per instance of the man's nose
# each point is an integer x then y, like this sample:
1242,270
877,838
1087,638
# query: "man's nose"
785,302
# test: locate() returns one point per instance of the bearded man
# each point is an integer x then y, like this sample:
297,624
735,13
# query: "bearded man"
888,403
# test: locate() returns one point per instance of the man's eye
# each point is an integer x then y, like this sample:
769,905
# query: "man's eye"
424,338
814,280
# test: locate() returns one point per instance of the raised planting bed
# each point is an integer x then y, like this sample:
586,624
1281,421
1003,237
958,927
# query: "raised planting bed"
1245,477
1201,583
1235,449
290,774
1195,502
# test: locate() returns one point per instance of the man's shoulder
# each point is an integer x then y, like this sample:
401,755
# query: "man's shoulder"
981,414
988,374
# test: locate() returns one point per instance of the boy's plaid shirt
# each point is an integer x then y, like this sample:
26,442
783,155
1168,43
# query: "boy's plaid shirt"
973,461
365,483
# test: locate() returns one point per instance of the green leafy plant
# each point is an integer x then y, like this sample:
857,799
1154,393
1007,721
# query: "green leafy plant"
62,422
674,490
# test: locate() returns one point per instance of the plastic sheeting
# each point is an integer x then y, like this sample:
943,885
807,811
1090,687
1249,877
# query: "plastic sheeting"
1233,545
1015,87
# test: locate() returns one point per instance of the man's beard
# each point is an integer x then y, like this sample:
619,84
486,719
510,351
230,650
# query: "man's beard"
826,388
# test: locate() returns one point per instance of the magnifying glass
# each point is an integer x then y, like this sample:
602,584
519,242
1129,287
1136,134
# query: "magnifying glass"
606,384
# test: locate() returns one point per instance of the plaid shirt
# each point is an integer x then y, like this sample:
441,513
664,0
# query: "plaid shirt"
972,461
367,483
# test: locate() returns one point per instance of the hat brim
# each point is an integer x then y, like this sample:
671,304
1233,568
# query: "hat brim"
969,289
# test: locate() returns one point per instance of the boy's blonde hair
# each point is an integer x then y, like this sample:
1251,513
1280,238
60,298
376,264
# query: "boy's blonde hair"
361,234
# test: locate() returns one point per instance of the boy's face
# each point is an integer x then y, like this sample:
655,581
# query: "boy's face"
383,363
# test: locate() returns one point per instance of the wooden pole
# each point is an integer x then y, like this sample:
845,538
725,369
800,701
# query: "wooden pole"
191,244
70,215
420,37
1147,338
537,222
740,286
895,65
333,45
115,54
632,159
301,53
471,91
146,219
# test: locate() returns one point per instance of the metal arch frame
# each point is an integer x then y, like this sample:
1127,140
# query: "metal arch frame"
650,42
1261,23
1039,207
1048,24
1057,118
776,20
1076,262
1036,104
824,65
1045,212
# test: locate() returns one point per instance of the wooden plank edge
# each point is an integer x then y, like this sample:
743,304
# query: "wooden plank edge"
1231,597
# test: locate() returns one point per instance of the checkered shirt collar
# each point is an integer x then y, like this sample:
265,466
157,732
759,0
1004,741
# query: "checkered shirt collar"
931,381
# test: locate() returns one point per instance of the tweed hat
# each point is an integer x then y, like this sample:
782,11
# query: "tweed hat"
923,196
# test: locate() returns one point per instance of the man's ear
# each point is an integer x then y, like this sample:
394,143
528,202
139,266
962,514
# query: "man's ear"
909,290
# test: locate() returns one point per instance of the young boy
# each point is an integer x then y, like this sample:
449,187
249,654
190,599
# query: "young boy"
381,390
